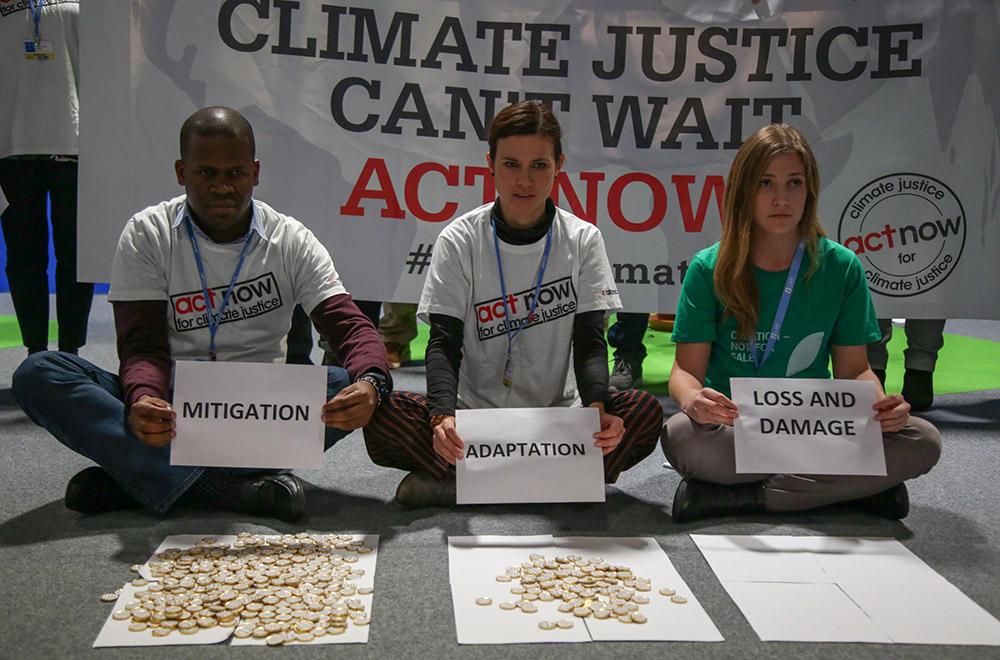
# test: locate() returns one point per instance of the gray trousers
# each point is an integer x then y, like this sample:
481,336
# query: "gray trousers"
398,324
706,452
924,338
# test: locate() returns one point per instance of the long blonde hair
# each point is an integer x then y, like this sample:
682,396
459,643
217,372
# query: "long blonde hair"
734,279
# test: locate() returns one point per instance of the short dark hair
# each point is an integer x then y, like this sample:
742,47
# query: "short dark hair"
217,121
525,118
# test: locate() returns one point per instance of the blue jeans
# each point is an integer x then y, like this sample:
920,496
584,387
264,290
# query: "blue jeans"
81,405
626,335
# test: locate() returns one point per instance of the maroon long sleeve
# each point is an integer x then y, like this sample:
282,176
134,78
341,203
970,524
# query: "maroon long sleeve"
143,349
352,335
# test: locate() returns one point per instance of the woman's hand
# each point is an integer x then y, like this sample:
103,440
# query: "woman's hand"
710,406
612,430
447,443
892,413
702,404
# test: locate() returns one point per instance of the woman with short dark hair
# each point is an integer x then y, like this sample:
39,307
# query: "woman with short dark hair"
492,343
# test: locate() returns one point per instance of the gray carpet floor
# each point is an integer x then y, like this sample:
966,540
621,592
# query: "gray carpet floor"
55,563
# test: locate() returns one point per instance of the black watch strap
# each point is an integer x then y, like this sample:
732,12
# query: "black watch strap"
378,381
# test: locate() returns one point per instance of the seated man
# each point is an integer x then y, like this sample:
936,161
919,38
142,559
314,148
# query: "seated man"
200,244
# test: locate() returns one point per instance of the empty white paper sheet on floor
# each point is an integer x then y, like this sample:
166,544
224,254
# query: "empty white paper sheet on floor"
117,633
474,562
834,589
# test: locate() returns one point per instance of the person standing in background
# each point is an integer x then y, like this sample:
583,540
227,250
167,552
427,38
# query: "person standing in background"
924,338
39,128
397,329
625,336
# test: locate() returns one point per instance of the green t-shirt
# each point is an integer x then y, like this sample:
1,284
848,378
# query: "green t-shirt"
831,307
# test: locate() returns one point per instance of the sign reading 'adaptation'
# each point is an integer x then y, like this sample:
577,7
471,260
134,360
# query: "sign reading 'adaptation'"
529,455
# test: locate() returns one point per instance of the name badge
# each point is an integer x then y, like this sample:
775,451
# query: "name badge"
40,50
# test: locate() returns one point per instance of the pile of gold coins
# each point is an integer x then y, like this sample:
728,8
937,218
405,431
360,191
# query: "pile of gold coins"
585,587
292,588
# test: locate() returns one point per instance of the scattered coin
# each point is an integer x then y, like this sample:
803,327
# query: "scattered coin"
292,588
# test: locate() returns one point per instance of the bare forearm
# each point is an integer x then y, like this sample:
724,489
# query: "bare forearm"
683,387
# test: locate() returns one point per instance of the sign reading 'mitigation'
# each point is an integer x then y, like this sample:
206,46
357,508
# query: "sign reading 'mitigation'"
242,414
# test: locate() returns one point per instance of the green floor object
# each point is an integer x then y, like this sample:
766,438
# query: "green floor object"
10,334
960,366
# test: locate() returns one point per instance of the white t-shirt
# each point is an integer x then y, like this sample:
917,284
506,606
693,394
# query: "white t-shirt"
39,101
464,283
285,265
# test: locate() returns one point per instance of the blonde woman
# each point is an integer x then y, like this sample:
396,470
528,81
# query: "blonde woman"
732,321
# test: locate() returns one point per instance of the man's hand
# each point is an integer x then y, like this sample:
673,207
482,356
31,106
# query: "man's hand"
447,443
711,407
892,412
153,421
352,408
612,430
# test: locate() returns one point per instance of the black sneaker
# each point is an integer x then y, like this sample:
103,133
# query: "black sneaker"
419,489
276,496
918,389
94,491
625,375
694,500
892,503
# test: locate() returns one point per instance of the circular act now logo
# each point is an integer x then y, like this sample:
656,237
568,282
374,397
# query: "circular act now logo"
908,230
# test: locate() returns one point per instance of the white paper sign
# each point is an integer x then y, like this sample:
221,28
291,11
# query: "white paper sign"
836,589
529,455
803,612
807,426
474,562
241,414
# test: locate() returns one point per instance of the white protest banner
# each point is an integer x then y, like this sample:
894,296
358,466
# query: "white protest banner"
807,426
242,414
529,455
371,120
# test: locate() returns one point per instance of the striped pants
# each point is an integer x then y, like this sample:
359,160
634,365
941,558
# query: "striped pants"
399,435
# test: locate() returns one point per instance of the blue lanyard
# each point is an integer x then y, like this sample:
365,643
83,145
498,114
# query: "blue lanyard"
214,318
779,316
511,334
36,16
